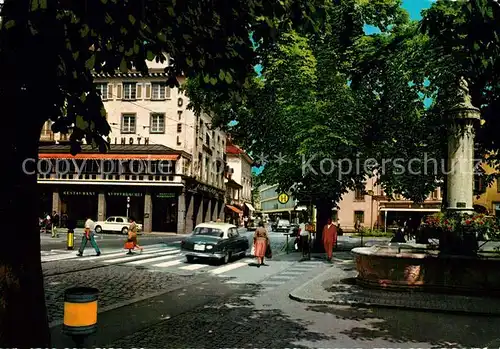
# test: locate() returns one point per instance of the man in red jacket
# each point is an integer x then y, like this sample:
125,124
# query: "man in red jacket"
329,238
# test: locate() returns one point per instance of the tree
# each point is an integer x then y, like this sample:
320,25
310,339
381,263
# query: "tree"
48,52
302,108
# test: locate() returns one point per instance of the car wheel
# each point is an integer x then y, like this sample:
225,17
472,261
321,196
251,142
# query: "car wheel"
190,259
98,229
226,258
124,230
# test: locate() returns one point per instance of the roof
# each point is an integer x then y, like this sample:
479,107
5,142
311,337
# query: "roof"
113,149
219,225
234,150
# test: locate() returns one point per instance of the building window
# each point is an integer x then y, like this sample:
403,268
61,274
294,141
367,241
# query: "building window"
129,90
128,123
179,128
102,89
157,123
359,194
159,91
359,216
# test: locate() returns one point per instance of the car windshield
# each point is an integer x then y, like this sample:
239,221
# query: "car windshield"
208,231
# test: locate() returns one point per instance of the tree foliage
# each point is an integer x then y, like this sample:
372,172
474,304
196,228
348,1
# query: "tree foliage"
49,51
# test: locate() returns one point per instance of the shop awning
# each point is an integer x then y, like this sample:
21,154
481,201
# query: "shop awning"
107,156
250,207
388,209
235,209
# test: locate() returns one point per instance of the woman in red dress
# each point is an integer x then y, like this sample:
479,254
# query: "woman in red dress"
260,241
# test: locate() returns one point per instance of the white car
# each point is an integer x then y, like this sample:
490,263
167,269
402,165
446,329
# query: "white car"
114,224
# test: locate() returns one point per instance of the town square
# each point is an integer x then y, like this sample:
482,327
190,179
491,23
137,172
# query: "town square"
250,174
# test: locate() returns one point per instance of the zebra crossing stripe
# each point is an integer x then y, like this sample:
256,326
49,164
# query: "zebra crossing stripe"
168,264
228,267
123,253
194,266
172,254
125,258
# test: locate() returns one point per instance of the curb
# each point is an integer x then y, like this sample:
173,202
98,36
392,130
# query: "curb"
296,296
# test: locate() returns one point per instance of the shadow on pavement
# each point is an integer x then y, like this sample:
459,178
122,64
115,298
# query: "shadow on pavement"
232,322
403,326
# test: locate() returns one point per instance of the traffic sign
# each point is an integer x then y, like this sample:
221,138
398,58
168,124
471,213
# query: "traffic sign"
283,198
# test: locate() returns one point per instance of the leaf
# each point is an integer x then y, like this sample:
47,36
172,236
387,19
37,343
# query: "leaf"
136,48
131,19
150,56
81,123
84,31
123,66
189,61
162,37
229,78
90,63
221,75
10,24
171,11
206,78
34,5
213,81
43,4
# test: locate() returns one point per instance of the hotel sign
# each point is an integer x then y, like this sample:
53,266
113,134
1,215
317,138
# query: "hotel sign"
79,193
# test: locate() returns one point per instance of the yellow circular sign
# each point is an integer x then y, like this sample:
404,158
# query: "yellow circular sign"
283,198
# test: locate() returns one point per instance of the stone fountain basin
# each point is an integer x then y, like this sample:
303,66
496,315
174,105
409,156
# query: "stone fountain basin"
411,267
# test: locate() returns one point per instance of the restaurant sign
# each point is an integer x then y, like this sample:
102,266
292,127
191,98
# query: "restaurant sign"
125,194
165,195
79,193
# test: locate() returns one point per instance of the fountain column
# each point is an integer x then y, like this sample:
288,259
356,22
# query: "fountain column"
460,177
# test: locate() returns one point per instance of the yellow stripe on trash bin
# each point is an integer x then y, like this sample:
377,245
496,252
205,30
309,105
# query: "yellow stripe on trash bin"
80,314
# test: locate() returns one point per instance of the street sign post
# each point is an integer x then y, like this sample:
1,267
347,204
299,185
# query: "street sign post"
128,205
283,198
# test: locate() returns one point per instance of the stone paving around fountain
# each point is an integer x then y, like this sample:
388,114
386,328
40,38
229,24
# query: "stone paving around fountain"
336,286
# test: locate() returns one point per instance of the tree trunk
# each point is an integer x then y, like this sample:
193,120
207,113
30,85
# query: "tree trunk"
23,315
323,212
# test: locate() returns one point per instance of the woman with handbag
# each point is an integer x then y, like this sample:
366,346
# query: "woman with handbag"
132,243
261,243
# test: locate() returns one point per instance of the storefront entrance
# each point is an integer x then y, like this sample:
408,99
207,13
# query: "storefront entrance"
79,205
164,212
116,205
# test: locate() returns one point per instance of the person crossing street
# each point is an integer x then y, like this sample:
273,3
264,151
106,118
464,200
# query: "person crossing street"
88,235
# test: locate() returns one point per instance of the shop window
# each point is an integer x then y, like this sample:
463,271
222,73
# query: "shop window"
359,215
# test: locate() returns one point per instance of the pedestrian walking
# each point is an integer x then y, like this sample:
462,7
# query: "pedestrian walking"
261,243
55,224
304,239
88,235
329,238
132,236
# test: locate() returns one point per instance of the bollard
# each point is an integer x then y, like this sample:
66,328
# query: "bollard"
70,239
80,312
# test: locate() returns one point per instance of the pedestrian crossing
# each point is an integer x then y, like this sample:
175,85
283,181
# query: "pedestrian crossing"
168,258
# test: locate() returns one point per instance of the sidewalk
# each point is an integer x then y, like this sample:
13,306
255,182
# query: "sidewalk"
337,286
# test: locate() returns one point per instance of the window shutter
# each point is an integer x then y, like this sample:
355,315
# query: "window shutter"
167,92
148,91
119,91
110,91
139,91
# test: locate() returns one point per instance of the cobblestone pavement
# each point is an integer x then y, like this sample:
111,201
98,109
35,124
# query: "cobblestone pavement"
116,284
253,318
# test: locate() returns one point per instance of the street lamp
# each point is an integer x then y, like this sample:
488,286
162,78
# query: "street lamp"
371,193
